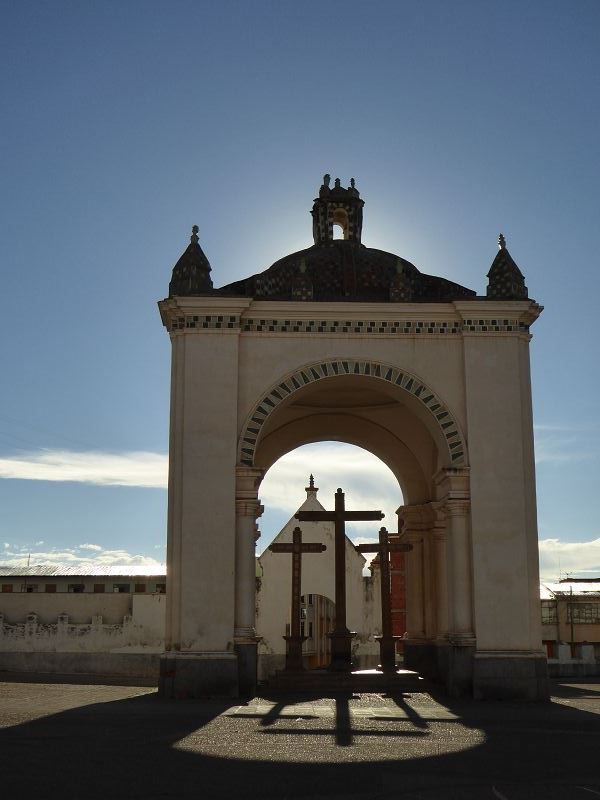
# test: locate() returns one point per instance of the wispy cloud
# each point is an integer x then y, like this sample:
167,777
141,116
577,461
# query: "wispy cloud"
560,444
81,556
148,470
576,558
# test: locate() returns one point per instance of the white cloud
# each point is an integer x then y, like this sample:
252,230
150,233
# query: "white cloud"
367,482
90,547
70,558
142,469
576,558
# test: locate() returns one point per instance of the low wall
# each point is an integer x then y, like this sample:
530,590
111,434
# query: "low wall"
573,669
144,667
80,607
96,634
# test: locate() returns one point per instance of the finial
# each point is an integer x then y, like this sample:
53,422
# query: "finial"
337,183
326,179
311,486
501,242
194,236
352,183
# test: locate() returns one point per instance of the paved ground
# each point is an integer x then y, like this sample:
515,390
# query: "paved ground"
74,741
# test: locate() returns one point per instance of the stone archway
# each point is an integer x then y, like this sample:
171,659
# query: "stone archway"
272,361
395,416
281,392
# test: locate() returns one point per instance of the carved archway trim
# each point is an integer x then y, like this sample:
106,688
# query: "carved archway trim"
330,368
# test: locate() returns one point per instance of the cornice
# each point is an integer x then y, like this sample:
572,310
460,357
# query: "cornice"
277,318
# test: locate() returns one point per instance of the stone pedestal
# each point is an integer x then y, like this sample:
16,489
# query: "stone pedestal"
510,676
189,675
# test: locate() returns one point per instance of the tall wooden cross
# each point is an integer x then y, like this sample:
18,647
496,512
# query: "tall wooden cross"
293,656
341,637
387,641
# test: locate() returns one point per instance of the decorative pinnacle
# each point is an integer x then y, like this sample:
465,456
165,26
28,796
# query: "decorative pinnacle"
502,242
352,183
194,236
311,485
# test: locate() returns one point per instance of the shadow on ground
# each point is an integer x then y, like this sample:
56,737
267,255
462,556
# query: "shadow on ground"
146,747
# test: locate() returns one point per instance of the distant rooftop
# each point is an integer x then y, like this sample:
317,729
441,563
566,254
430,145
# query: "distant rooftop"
589,587
92,571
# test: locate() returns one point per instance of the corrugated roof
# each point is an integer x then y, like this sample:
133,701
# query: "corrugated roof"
580,589
91,571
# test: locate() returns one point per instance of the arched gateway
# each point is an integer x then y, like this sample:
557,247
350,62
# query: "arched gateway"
344,342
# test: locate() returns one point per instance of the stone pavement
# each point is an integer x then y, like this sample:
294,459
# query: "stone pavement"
60,740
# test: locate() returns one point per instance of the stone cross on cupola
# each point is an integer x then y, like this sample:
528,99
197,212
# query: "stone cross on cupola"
337,206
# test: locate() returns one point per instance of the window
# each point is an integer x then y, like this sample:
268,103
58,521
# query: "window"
99,588
7,587
140,587
161,588
583,613
29,587
121,588
77,588
549,616
50,588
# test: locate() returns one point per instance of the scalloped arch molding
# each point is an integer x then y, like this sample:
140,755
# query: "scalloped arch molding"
329,369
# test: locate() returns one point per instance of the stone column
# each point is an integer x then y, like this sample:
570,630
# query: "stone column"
460,572
417,521
247,511
415,611
441,580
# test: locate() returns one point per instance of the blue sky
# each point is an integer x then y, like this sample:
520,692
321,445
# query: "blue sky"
126,123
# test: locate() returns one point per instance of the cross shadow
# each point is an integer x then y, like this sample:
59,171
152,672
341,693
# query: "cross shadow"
145,747
412,714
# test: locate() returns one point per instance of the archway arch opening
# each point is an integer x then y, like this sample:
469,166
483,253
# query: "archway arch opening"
288,487
367,481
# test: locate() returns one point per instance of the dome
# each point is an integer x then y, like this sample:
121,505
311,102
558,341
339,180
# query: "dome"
342,270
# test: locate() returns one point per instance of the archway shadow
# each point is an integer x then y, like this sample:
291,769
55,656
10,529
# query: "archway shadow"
151,748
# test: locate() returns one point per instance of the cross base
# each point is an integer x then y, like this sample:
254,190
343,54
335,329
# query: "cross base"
387,652
341,650
293,654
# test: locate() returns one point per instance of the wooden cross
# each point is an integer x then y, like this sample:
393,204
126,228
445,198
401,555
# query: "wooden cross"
293,657
387,646
341,637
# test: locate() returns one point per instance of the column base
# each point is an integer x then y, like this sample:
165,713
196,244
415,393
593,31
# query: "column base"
293,655
387,652
247,667
510,676
185,676
341,650
448,664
